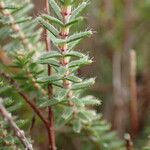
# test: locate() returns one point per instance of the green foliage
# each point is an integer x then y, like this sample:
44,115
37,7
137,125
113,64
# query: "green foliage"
71,108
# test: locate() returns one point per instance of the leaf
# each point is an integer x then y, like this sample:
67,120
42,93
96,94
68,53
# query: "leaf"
72,22
62,70
102,128
87,115
78,36
73,44
80,62
87,100
58,84
52,19
51,102
56,40
21,20
78,10
78,101
49,79
109,135
56,8
48,26
90,100
67,113
52,62
74,54
74,79
51,54
84,84
22,11
62,93
74,69
10,6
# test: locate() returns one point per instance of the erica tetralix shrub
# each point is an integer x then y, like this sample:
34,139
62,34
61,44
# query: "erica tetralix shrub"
70,108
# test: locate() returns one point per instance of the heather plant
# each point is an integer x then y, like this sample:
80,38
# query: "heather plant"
45,75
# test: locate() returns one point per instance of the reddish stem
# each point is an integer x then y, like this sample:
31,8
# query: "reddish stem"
51,131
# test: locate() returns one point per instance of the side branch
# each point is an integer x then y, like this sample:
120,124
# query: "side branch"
18,132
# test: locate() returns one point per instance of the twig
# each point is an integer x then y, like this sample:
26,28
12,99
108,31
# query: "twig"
18,132
51,133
